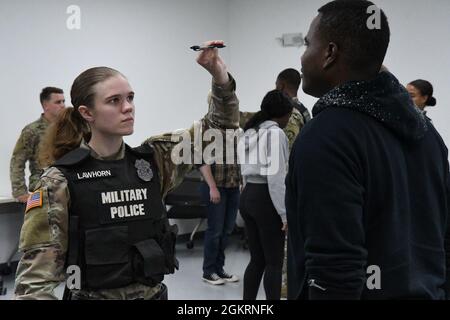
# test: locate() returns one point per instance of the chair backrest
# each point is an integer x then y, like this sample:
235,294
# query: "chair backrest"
188,192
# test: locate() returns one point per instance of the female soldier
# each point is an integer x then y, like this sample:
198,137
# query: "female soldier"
99,205
421,92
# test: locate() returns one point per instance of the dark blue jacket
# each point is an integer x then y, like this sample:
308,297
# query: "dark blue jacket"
368,185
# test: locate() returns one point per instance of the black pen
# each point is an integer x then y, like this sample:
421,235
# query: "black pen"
198,48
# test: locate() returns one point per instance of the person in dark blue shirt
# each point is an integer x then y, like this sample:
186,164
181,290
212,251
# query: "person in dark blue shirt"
368,182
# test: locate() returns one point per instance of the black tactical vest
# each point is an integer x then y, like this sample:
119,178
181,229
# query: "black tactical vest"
119,231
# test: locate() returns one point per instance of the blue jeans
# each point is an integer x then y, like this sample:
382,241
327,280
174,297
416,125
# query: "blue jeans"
221,221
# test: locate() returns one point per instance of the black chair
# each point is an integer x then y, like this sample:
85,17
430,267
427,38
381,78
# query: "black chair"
9,207
185,202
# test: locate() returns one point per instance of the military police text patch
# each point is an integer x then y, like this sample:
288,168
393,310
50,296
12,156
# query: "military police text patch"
129,204
34,200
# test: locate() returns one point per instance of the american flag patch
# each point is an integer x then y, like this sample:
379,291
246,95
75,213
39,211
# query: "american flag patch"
34,200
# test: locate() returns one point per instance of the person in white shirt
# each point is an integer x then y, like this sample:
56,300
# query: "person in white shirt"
263,155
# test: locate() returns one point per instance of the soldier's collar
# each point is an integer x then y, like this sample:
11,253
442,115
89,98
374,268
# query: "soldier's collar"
44,119
117,156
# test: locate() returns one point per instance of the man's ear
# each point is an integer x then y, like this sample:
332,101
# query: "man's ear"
86,113
44,105
331,54
280,85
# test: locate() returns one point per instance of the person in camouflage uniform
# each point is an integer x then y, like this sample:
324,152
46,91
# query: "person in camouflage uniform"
44,236
26,148
288,82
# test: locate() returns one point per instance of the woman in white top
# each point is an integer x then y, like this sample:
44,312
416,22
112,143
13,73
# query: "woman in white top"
263,155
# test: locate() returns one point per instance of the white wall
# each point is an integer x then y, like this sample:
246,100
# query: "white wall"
256,54
147,40
419,48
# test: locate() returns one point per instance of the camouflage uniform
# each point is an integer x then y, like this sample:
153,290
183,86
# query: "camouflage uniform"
304,112
44,235
26,149
292,128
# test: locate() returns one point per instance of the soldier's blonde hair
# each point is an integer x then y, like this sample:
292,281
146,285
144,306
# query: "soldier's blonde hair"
63,136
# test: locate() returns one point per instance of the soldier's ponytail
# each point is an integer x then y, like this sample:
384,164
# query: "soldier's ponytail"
70,127
63,136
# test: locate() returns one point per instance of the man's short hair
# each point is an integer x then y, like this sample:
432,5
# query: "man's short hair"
47,92
345,22
290,77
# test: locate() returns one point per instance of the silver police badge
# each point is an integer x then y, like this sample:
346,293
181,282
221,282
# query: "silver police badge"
144,170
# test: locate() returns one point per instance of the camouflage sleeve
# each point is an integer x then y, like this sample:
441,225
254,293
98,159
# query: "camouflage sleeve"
170,173
293,127
43,240
23,151
223,111
244,117
177,152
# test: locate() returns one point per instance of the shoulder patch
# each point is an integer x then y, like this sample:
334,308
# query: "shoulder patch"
34,200
36,227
